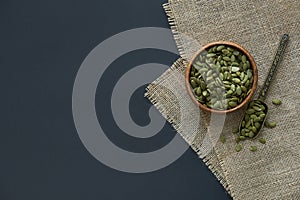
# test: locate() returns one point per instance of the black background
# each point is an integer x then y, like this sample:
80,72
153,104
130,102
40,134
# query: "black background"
42,45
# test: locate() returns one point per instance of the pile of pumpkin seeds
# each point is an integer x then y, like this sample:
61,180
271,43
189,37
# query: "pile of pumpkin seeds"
221,77
252,122
253,119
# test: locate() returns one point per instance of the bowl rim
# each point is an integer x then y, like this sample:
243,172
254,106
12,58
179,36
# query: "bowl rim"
252,63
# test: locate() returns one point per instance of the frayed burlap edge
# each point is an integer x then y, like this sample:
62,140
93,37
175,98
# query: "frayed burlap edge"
174,29
213,165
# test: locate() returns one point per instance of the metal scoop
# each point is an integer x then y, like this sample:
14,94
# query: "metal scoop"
255,123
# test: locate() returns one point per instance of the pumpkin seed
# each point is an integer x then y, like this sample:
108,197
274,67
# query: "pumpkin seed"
235,64
225,58
236,80
235,69
232,103
219,48
244,59
253,148
238,147
235,130
276,101
251,134
270,124
205,93
211,55
238,90
232,58
257,125
193,83
242,137
262,140
198,91
236,53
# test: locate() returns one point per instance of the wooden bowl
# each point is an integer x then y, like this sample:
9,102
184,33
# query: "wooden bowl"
254,84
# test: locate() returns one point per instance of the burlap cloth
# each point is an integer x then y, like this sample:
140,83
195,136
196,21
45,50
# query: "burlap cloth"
273,172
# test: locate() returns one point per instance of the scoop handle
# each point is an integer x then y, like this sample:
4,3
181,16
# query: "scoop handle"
276,61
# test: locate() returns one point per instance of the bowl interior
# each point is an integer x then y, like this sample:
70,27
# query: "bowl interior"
253,66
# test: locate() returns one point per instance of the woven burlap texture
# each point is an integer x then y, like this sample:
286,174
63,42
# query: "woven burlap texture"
273,172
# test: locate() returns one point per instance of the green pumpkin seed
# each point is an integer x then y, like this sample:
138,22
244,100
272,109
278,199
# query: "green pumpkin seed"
238,147
254,129
235,69
232,103
242,137
276,101
203,85
227,86
243,132
232,58
198,81
250,111
235,130
262,116
257,125
213,100
193,83
253,148
247,63
249,73
205,93
229,92
244,59
251,134
230,49
211,55
232,87
235,64
248,123
229,77
257,119
253,116
256,108
236,80
198,91
262,140
238,90
225,58
270,124
219,48
244,89
210,78
234,75
236,53
193,78
203,70
245,67
225,51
